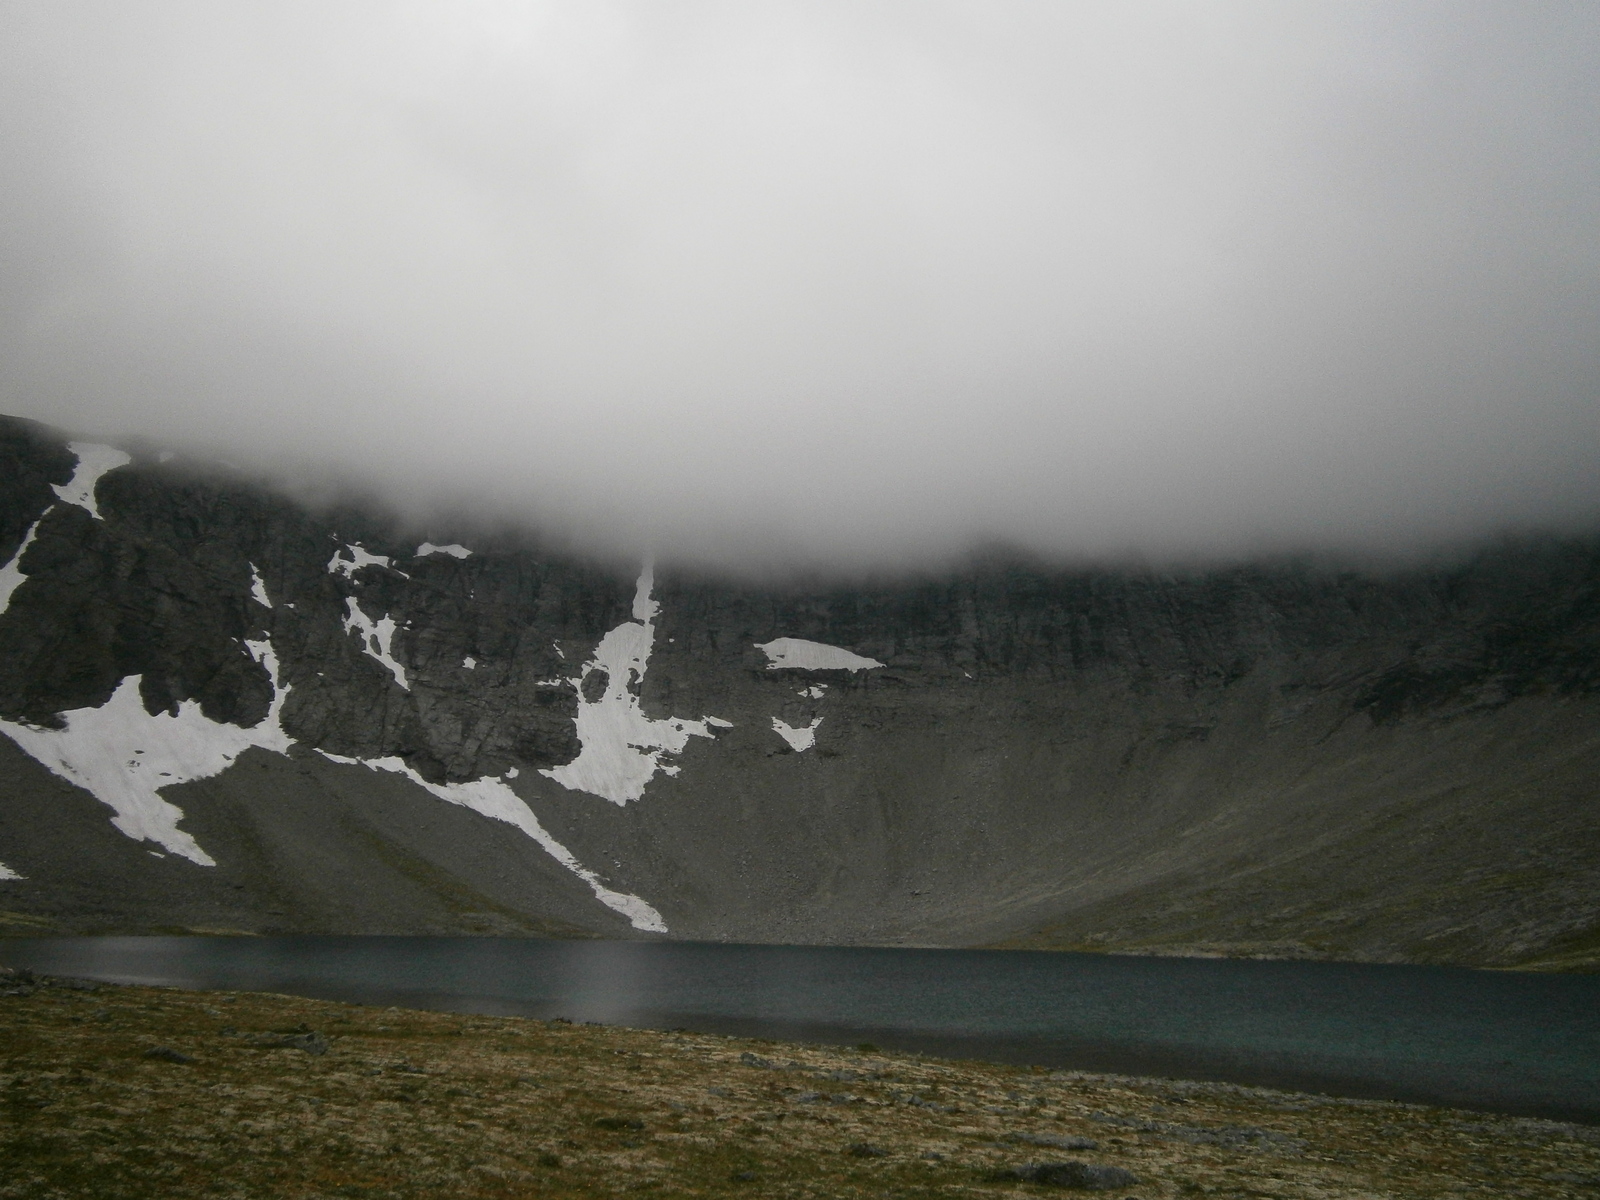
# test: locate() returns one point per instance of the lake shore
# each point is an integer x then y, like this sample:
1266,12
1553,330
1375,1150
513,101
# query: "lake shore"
114,1091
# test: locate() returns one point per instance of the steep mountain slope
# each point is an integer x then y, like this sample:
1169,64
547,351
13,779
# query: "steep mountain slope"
225,711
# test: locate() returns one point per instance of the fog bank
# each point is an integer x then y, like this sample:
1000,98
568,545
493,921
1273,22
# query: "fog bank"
847,283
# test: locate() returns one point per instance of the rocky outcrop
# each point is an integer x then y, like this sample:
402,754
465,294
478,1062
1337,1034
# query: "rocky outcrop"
1269,758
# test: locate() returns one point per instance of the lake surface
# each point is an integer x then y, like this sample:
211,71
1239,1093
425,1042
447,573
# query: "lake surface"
1502,1041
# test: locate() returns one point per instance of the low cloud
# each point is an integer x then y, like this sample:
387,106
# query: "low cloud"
838,283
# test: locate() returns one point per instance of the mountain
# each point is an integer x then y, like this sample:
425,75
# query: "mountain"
228,711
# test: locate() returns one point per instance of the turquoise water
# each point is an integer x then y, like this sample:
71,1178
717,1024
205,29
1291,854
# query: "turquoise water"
1495,1040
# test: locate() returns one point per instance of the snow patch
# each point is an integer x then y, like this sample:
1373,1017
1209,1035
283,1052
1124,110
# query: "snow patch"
377,638
11,575
93,461
799,654
719,722
645,608
493,798
452,550
124,756
7,873
621,748
799,739
338,565
258,590
469,662
814,692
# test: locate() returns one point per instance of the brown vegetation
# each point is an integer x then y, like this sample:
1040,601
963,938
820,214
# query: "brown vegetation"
145,1092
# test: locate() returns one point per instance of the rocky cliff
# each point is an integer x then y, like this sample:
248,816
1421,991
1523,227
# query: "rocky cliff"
227,711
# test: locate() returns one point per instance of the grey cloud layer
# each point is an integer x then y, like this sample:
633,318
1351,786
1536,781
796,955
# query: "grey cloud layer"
862,282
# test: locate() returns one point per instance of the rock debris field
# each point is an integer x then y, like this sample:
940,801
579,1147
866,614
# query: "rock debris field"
113,1092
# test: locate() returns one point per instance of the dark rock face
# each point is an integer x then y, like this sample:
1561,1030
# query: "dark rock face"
1260,760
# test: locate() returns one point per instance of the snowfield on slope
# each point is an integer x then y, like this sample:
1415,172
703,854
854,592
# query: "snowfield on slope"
799,739
94,461
258,589
11,575
621,748
797,654
494,798
123,756
377,639
340,565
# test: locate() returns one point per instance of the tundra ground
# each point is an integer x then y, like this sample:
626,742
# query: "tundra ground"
131,1092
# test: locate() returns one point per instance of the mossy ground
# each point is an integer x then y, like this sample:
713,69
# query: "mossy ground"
410,1104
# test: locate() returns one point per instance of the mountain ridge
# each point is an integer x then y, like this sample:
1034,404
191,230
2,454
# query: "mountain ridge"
1253,759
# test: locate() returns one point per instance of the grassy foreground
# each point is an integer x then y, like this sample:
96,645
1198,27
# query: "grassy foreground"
252,1095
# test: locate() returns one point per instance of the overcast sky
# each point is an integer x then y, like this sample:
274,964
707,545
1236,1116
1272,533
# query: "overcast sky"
868,282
